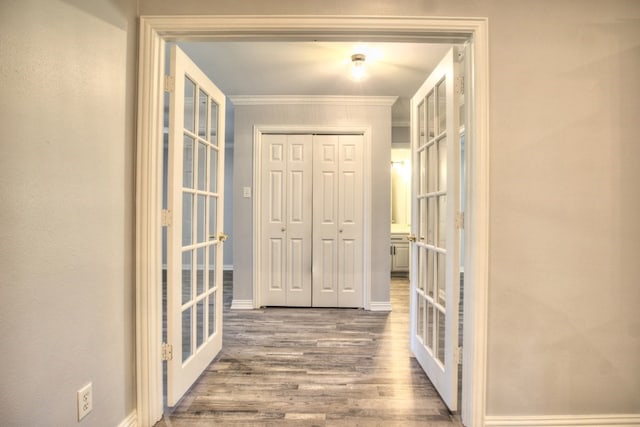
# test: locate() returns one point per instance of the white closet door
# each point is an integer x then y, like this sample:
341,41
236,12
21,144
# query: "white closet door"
285,268
338,221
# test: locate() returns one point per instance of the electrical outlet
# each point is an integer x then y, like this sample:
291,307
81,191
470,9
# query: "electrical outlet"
85,401
246,192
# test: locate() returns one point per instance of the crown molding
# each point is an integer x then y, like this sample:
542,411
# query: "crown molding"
312,100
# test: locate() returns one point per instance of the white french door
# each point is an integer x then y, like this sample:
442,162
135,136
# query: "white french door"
435,244
286,220
195,202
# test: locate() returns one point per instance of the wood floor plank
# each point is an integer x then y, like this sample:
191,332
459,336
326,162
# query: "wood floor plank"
314,367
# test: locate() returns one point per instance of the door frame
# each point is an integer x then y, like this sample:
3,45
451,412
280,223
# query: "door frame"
156,30
365,131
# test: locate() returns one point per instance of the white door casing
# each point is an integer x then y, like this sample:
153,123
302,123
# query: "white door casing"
435,248
195,201
285,265
337,221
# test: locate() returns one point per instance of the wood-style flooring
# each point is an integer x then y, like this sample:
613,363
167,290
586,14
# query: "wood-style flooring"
314,367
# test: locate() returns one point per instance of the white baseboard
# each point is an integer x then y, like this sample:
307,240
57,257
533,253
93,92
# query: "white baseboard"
614,420
380,306
242,304
130,421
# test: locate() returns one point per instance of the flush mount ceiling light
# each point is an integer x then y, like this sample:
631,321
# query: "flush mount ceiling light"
358,72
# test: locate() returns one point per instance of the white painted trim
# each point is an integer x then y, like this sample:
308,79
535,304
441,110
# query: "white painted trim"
149,399
400,124
242,304
312,100
380,306
365,131
476,289
154,30
227,267
130,421
604,420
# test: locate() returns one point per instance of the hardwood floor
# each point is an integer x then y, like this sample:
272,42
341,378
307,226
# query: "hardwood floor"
314,367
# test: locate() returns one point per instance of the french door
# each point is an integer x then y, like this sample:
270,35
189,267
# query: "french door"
195,202
435,242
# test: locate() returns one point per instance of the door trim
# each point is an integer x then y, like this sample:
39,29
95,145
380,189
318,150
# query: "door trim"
258,131
155,30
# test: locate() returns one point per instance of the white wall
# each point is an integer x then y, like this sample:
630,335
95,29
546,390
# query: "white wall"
378,118
67,84
565,166
564,330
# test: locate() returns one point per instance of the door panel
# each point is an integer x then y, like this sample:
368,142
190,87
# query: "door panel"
435,251
350,230
338,191
194,257
286,229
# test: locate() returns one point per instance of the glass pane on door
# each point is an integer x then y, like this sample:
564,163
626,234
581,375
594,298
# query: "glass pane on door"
442,107
211,314
213,133
202,166
187,162
189,105
187,274
186,334
203,101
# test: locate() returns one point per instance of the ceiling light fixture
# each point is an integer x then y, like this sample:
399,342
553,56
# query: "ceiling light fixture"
358,72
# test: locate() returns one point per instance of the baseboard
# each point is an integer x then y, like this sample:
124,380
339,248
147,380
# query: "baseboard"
614,420
227,267
242,304
380,306
130,421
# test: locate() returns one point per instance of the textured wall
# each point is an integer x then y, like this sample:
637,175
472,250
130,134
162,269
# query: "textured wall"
67,84
565,171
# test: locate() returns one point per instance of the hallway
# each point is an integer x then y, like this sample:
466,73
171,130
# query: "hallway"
314,367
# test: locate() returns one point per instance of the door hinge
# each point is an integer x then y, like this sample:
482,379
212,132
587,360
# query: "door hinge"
169,83
460,220
166,218
167,351
459,355
459,85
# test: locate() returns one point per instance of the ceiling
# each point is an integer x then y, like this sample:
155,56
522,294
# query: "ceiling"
317,68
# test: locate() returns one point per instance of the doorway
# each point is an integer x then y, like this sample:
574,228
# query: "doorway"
155,30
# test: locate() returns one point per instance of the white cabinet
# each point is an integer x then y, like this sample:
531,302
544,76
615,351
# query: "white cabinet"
399,254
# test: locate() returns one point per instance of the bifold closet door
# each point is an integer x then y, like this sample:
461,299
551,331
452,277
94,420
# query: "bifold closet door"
286,220
337,220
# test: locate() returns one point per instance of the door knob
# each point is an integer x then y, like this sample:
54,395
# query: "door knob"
222,237
411,238
283,229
